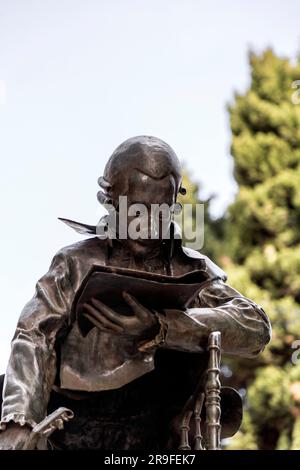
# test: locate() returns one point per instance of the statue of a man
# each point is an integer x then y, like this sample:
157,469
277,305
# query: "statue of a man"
128,378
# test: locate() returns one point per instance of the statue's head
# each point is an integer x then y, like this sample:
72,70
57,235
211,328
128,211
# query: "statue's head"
147,171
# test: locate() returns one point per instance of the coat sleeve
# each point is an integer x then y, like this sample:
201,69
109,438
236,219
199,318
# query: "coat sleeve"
244,326
32,365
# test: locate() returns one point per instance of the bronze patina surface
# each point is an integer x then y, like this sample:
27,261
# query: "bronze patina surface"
130,376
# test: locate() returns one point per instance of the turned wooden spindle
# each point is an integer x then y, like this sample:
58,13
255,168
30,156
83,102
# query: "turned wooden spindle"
197,417
213,390
185,426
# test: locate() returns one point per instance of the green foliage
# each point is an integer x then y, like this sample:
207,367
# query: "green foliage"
262,240
257,243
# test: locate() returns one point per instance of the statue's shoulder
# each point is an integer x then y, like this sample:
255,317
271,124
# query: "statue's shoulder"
212,269
90,247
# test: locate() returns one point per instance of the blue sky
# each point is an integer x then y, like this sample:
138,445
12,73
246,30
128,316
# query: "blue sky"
79,77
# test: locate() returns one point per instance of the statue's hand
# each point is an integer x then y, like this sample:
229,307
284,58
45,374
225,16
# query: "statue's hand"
14,437
141,324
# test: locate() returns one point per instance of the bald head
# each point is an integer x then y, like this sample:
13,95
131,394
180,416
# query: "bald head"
149,155
145,155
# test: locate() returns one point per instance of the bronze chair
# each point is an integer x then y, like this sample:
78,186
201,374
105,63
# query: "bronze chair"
204,406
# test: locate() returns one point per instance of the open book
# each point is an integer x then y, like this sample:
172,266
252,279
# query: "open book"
154,291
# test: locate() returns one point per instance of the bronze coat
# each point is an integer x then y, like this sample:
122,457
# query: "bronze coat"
49,349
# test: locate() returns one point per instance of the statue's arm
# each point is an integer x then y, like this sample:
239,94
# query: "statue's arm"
31,368
244,326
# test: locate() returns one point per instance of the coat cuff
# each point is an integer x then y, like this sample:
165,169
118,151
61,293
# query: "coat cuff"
159,339
17,418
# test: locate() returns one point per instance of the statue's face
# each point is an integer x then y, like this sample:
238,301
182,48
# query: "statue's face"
147,226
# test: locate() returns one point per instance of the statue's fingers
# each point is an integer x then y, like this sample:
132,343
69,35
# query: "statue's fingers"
101,318
94,321
108,312
139,309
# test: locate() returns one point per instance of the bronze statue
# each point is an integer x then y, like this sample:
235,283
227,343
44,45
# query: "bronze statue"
128,378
